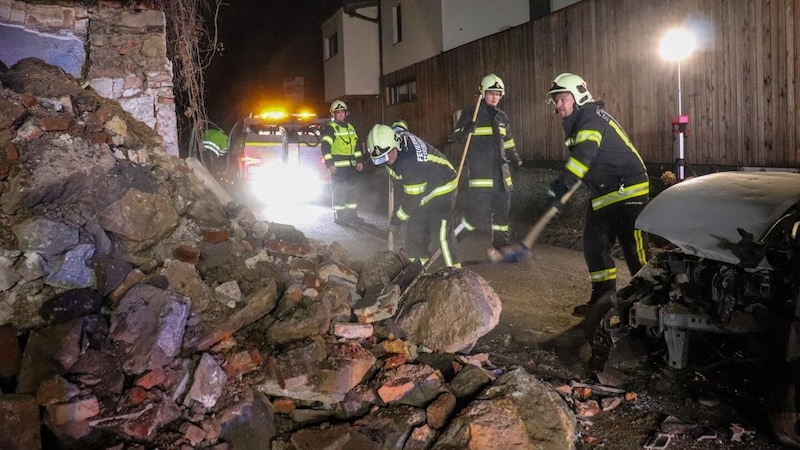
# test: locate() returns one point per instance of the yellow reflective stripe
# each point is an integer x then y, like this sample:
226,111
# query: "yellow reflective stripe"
637,190
483,131
499,227
603,275
343,163
263,144
467,226
328,157
576,167
588,135
641,251
414,189
481,182
441,190
502,130
508,144
392,173
626,140
440,160
444,245
402,214
508,181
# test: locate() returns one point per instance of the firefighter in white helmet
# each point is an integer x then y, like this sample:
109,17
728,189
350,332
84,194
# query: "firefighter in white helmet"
604,158
343,159
490,157
429,185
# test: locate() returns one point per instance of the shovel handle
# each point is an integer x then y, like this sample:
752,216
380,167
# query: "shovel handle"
469,138
551,212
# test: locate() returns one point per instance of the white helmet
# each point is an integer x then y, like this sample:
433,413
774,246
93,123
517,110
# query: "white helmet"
338,105
492,82
575,85
381,140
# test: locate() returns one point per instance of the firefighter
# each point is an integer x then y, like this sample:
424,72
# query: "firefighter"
400,125
343,159
603,156
215,143
429,185
490,157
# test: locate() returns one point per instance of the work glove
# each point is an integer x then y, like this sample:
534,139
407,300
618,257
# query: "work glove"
555,191
469,127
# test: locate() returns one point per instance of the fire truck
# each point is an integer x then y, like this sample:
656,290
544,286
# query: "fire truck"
278,155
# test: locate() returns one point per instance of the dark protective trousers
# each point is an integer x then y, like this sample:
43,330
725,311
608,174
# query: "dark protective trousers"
604,227
344,191
489,211
430,227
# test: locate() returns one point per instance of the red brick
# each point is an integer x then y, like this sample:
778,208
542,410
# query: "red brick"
104,113
284,405
138,395
60,123
153,378
187,254
215,236
28,100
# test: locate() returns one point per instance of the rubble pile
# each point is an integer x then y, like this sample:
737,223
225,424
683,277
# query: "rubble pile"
139,310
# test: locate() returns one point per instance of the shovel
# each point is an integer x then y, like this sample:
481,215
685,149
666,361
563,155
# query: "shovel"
520,251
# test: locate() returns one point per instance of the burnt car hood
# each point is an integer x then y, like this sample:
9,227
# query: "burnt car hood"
702,215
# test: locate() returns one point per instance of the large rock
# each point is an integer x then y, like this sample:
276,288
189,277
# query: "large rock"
518,411
449,310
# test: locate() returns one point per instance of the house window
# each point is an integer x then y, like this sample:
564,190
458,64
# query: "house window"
332,46
397,25
402,92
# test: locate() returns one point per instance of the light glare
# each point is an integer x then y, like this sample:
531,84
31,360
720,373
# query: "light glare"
677,44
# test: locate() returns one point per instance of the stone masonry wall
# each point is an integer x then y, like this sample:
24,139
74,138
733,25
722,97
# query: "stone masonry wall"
125,56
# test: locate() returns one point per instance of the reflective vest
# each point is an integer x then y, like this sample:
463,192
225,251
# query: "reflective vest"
215,141
340,144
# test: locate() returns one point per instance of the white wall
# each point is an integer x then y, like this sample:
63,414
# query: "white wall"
333,67
362,62
422,33
355,69
469,20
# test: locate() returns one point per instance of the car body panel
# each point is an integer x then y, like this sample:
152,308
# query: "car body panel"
703,215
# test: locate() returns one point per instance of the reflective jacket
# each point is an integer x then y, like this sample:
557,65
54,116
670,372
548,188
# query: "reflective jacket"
423,171
215,141
491,148
603,156
340,144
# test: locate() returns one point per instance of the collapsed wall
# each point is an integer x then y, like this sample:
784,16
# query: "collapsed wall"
121,52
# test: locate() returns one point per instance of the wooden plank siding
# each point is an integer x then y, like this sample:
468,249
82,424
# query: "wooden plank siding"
738,88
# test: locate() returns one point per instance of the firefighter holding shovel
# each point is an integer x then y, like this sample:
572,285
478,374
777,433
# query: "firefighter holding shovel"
491,156
429,184
601,156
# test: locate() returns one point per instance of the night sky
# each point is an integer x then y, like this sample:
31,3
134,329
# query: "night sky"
264,42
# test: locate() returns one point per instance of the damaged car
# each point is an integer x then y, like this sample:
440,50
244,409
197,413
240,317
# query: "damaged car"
728,276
